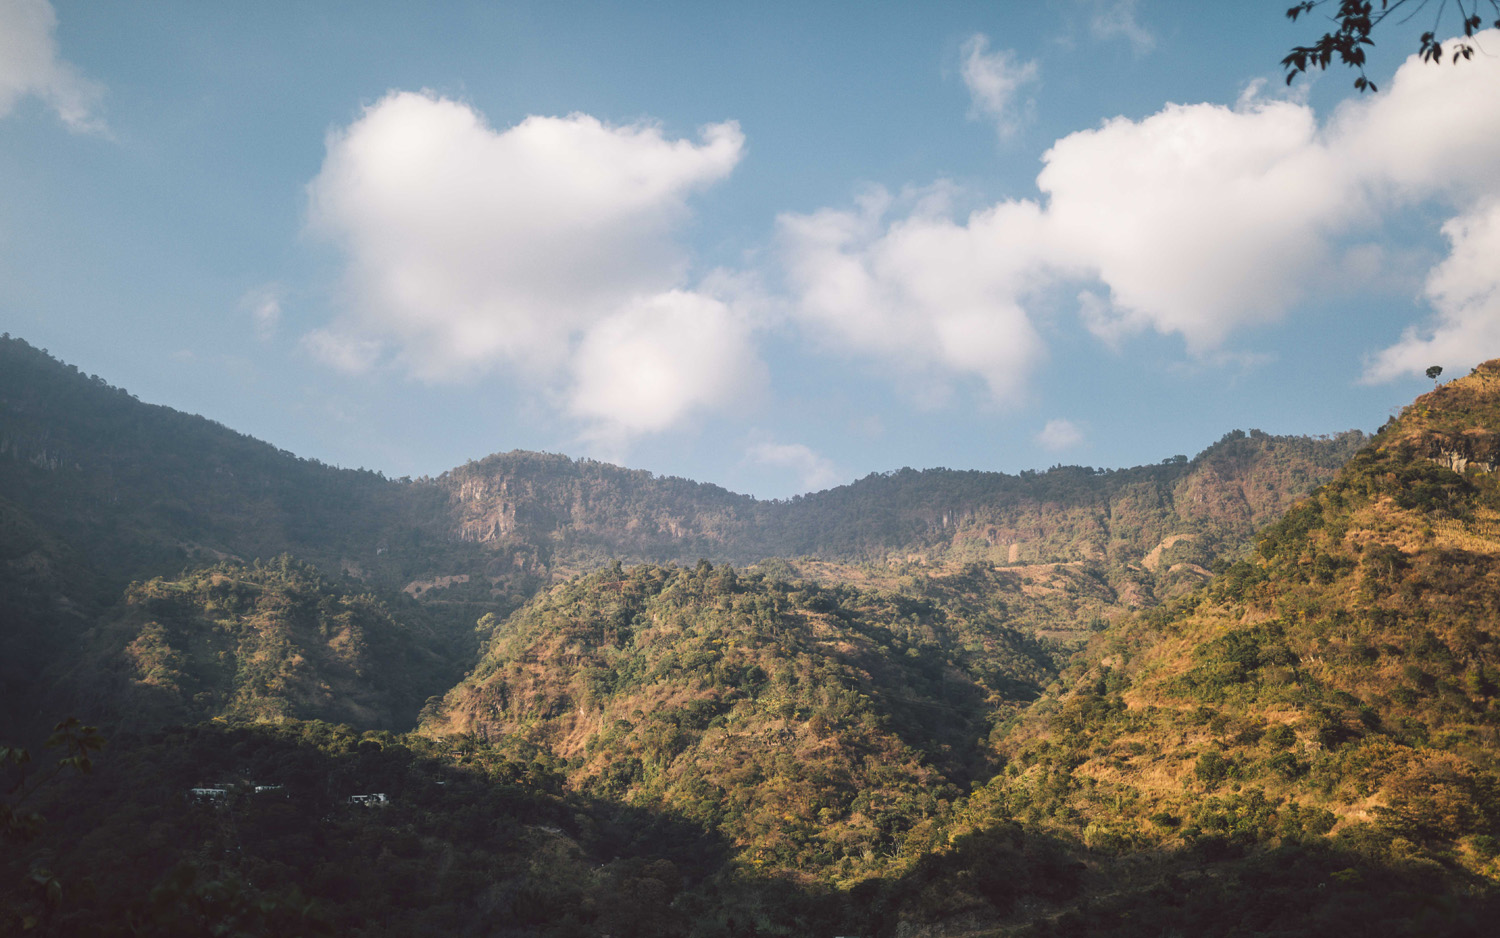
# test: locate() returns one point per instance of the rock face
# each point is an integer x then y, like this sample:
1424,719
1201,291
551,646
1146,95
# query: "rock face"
1455,424
1475,447
485,513
557,503
580,513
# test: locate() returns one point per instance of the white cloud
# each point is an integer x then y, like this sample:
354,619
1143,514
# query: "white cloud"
342,351
921,292
264,306
814,472
1116,20
1465,291
1060,434
993,80
1200,221
1430,130
1204,220
650,365
1437,130
29,65
531,249
550,249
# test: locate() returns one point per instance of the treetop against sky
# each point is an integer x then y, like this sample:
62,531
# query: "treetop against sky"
775,247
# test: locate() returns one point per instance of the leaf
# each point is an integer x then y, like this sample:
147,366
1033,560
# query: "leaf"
14,755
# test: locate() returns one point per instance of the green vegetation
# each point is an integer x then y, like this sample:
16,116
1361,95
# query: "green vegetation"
98,490
270,641
928,703
20,824
1336,691
818,729
467,835
582,515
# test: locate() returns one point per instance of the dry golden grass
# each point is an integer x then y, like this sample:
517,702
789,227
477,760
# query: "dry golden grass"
1480,535
1153,558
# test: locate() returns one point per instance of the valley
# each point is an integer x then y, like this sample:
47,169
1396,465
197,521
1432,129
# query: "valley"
1256,688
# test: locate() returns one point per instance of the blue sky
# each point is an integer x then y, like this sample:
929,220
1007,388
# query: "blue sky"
771,246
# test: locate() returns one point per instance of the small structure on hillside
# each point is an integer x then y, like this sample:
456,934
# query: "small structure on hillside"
208,794
377,798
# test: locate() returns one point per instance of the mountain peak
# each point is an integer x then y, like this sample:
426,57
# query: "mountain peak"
1455,423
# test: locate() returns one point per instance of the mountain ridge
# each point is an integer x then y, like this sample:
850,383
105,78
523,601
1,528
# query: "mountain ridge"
110,490
1337,685
54,418
1056,703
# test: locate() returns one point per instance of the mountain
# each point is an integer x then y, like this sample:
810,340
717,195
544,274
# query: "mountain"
467,840
98,490
808,725
592,512
261,642
1188,698
135,488
1332,699
1306,745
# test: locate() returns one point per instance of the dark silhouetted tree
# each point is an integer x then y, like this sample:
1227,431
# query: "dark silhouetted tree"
1356,20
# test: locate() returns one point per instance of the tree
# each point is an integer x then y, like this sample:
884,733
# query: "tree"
19,825
1357,19
1434,371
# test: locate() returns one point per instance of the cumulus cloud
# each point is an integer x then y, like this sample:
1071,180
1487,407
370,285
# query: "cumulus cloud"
922,292
471,249
29,65
1060,434
994,80
648,366
1199,221
1437,131
814,472
1465,291
1431,130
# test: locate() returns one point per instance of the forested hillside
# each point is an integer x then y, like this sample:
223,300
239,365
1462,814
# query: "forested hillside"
468,839
924,704
812,727
136,488
1333,698
98,490
261,642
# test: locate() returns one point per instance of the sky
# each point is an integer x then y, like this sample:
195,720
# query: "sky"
772,246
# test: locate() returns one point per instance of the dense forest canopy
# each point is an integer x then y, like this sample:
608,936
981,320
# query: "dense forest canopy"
541,696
